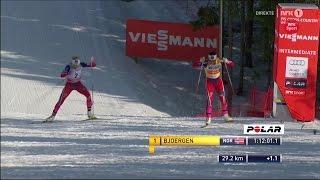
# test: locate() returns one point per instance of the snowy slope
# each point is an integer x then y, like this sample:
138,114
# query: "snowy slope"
36,46
133,101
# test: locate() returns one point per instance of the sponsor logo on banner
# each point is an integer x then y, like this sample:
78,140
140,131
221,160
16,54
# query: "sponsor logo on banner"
296,83
296,13
295,92
258,129
292,27
296,67
294,37
297,62
163,39
166,40
296,58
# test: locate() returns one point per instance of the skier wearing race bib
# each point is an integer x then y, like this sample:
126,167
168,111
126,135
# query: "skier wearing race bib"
72,74
212,66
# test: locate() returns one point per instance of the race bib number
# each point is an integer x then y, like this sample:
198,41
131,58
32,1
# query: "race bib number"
75,74
213,71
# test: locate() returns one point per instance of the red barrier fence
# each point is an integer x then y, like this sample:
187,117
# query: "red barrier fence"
260,103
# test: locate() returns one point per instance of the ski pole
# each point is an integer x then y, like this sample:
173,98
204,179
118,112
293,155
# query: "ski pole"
199,78
92,99
229,78
92,59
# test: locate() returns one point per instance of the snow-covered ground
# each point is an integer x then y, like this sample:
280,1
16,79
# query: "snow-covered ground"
132,100
117,147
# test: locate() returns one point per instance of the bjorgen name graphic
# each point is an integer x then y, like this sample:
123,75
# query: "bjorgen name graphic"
162,39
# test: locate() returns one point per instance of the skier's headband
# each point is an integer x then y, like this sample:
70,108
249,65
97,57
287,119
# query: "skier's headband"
212,57
75,57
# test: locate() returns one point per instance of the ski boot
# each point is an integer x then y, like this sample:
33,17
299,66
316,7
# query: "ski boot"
91,115
227,118
208,121
49,119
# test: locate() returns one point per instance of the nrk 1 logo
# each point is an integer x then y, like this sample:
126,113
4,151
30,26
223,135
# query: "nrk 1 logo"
296,83
292,13
258,129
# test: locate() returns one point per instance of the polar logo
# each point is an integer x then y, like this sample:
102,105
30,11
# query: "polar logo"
259,129
163,39
298,13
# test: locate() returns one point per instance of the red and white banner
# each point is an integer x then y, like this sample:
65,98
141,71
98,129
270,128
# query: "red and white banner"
296,56
152,39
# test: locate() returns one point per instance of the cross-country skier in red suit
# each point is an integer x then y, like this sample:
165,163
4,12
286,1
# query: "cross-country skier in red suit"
212,66
72,73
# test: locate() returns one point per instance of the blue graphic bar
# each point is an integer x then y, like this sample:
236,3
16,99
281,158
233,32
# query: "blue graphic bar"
264,140
232,158
264,159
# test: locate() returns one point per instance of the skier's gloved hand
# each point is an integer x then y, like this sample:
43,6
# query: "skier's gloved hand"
93,62
202,59
228,62
225,60
64,74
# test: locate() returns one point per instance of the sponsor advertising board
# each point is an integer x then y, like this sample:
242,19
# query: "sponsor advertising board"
296,56
176,41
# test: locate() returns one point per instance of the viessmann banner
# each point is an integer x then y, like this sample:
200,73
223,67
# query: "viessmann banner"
296,57
175,41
